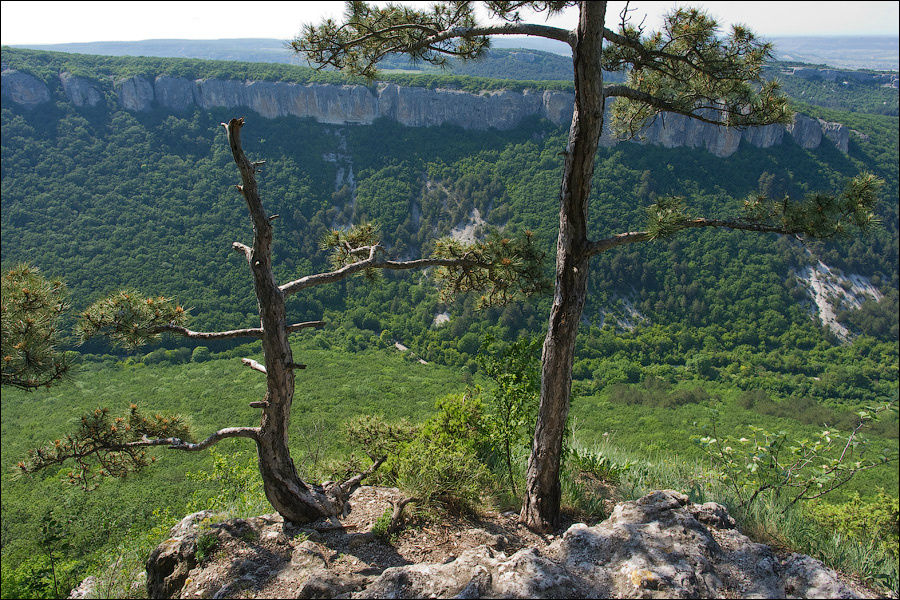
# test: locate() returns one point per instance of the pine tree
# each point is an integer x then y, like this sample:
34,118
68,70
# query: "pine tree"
31,311
107,445
685,68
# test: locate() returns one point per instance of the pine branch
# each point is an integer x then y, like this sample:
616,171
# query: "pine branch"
370,33
818,216
201,335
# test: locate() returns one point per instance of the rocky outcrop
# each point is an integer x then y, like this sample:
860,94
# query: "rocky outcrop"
806,131
660,546
655,547
411,106
135,93
80,91
175,93
837,133
831,292
23,89
424,107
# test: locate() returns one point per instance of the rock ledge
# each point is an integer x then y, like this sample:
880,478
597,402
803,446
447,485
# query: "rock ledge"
660,546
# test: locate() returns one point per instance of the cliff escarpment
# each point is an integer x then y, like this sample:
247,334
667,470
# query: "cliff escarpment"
410,106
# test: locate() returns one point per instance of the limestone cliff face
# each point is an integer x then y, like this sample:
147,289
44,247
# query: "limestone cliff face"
79,91
135,93
23,88
411,106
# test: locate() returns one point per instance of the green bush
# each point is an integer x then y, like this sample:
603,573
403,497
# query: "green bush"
443,461
200,354
877,519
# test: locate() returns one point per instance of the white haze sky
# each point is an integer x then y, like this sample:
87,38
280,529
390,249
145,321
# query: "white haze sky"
61,22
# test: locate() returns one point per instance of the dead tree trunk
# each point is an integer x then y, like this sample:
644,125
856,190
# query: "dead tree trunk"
540,511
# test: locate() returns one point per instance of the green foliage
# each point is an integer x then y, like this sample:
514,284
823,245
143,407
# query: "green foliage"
370,33
596,464
238,484
106,446
875,519
443,464
722,312
130,319
200,354
377,438
666,216
382,526
30,314
512,405
803,469
345,245
877,318
822,215
206,545
451,477
504,268
693,70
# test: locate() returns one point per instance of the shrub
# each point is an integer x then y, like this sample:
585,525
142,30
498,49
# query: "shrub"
449,476
877,519
440,463
806,469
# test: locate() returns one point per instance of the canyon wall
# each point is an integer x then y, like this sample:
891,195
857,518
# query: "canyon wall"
411,106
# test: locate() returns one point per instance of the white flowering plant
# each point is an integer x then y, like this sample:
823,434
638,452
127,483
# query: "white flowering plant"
804,469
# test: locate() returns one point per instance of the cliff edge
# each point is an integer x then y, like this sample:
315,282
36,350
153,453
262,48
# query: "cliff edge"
410,106
660,546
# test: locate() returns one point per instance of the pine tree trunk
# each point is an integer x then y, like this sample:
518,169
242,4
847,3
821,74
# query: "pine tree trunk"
542,494
294,499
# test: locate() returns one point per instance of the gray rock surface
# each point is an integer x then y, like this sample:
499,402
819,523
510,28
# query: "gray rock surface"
85,589
807,132
80,91
23,88
411,106
837,133
660,546
135,93
654,547
169,563
176,93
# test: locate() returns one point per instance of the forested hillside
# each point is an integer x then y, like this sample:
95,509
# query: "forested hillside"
106,198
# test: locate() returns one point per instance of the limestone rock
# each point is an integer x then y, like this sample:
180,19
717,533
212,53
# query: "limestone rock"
659,546
764,137
22,88
170,562
411,106
654,547
837,133
176,93
557,106
135,93
85,589
80,91
807,132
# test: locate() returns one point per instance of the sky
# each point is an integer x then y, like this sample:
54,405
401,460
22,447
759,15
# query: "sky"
64,22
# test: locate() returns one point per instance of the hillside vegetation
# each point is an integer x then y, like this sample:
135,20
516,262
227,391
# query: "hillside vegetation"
675,330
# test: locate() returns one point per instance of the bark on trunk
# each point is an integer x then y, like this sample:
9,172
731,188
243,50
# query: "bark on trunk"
540,511
295,500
